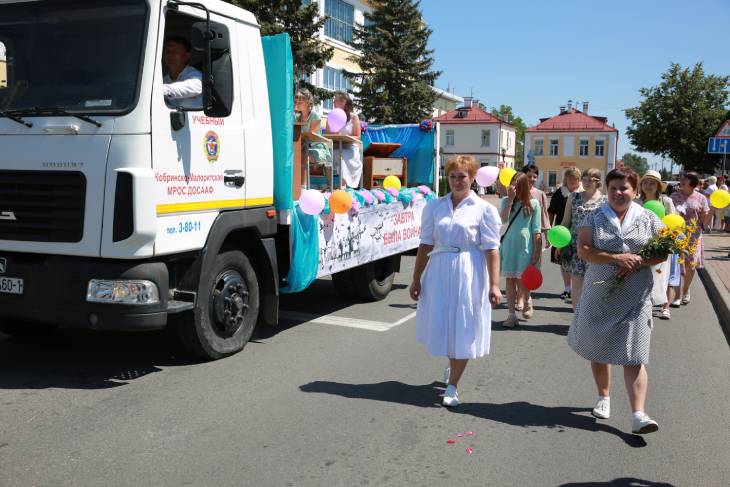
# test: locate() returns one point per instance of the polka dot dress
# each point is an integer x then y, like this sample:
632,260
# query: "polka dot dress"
615,329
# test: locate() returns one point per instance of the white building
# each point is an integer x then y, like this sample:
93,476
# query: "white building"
469,130
445,102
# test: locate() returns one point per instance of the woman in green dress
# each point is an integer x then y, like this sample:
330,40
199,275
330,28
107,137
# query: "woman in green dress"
521,242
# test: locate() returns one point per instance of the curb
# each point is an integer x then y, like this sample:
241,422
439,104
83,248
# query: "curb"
719,296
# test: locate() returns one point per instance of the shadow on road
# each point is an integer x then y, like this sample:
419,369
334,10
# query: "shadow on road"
423,396
85,360
622,482
528,326
522,414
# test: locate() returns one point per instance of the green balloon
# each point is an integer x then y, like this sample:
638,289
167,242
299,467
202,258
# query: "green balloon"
655,207
559,236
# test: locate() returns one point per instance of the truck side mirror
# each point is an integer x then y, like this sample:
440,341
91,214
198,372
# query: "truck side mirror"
217,67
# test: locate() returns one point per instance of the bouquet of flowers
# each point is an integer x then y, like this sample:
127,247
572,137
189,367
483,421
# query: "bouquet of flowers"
680,240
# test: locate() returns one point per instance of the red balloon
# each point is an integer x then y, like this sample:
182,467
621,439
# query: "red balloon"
531,278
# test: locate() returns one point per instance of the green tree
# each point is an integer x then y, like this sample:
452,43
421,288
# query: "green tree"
505,113
301,21
395,85
636,162
666,174
676,118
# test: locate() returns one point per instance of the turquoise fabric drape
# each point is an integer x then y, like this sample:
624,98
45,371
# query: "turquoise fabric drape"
280,80
304,228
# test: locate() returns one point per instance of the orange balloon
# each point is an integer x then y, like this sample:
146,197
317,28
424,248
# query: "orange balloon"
340,201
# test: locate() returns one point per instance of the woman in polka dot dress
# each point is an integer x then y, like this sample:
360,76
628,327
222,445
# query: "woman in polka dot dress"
614,327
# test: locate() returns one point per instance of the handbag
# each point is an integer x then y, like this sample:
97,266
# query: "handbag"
512,220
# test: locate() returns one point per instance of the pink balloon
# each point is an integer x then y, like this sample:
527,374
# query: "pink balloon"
355,206
393,192
337,119
379,195
487,175
311,202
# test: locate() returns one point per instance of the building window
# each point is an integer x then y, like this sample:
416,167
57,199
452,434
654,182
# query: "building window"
552,179
334,80
340,20
583,147
553,147
486,135
599,148
539,147
449,138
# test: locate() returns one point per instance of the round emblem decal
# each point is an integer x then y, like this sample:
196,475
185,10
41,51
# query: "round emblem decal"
212,145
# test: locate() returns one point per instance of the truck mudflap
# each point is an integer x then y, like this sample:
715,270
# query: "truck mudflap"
54,290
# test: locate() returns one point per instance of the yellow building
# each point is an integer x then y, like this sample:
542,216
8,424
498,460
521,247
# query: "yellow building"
571,138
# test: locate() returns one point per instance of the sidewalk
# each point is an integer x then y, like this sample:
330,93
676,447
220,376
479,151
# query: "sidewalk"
716,275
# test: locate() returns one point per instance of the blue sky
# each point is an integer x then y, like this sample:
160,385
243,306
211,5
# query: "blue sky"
536,55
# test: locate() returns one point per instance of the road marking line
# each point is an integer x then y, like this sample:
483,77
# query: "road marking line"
404,319
343,321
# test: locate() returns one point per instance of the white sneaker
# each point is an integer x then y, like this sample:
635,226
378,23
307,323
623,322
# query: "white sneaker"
685,299
602,409
643,424
447,374
676,303
451,397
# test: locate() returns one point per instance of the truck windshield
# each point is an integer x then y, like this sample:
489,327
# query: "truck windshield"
77,56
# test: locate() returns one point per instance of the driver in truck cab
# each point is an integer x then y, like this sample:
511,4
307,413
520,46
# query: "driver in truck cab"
183,83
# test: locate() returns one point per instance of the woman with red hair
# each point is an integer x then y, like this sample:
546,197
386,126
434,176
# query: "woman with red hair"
521,243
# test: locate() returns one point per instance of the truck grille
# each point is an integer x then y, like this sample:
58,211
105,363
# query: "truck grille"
42,206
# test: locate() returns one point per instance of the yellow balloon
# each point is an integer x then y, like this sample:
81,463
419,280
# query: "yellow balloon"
673,221
720,198
392,182
506,175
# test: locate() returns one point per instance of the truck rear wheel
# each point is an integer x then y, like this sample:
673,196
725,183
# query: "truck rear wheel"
374,280
227,309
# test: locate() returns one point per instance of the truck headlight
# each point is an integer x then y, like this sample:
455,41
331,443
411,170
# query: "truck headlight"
122,292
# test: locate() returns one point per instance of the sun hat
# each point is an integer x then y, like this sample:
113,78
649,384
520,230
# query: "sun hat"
711,180
651,174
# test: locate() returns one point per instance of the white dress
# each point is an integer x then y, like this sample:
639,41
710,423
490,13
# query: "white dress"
454,316
351,161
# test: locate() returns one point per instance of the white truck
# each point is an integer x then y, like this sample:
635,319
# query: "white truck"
120,212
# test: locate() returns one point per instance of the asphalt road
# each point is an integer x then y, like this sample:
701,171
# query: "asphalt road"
326,401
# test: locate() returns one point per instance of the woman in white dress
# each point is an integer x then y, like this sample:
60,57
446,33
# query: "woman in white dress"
459,252
351,167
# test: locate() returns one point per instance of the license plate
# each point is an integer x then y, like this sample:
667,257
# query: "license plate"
11,285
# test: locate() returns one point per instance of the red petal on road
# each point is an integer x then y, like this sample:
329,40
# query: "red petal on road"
460,435
470,450
469,433
451,442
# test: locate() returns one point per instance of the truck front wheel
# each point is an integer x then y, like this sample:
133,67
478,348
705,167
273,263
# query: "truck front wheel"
227,309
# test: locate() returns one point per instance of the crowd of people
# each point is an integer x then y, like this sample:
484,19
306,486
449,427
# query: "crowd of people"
467,244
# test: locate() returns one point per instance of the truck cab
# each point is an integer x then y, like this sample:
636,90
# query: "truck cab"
109,192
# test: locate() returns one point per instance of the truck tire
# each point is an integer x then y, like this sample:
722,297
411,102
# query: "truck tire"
344,287
374,280
227,309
